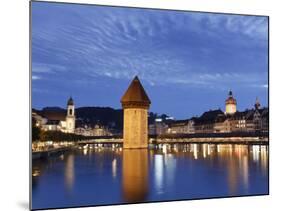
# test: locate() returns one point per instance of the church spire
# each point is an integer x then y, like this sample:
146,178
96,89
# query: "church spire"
70,101
257,104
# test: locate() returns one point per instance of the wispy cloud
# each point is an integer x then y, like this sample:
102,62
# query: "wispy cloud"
35,77
93,44
118,43
252,26
264,86
47,68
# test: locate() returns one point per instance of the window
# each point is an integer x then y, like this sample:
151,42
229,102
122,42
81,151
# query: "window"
70,111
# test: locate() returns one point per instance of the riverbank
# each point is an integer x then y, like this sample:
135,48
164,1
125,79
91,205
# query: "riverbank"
50,152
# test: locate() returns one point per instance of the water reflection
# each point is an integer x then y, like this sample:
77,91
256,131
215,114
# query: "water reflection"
107,174
164,170
135,175
159,172
69,171
114,167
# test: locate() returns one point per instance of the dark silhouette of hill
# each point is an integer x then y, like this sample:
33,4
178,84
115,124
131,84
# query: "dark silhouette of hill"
91,116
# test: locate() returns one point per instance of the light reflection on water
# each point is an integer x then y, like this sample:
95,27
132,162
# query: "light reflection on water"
96,175
135,175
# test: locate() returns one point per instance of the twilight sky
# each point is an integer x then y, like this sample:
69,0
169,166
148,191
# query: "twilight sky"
186,61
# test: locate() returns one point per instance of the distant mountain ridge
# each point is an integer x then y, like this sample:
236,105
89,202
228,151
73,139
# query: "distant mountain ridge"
90,116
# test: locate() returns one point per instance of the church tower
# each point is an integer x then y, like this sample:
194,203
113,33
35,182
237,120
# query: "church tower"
70,116
257,104
230,104
135,103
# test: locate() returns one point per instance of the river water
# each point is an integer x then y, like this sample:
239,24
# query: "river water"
110,175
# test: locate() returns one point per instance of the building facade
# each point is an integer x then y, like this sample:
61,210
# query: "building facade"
181,126
216,121
57,120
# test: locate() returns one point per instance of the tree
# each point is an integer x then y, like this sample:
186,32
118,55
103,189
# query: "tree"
35,133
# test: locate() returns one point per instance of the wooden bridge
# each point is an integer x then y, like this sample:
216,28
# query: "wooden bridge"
234,137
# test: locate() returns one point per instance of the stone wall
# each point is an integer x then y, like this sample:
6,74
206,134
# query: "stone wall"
135,132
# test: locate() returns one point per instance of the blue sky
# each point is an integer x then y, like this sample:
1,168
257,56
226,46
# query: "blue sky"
187,61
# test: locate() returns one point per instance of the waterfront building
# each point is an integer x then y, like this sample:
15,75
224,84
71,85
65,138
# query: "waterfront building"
157,128
52,125
241,121
135,103
100,130
265,120
58,119
97,130
252,120
38,119
82,131
216,121
230,104
206,122
222,124
181,126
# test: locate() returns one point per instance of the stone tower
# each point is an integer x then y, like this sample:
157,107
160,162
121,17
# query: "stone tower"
70,116
230,104
135,103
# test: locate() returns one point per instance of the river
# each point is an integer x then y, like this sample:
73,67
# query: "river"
110,175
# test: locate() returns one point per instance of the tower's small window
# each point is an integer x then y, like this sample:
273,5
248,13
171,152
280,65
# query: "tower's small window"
70,111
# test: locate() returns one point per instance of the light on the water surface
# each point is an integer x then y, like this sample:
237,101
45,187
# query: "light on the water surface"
256,152
159,172
195,152
204,150
85,151
164,149
209,149
114,168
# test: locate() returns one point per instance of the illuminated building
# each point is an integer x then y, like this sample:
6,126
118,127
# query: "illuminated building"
181,126
157,128
57,120
135,103
38,120
230,104
206,122
70,117
215,121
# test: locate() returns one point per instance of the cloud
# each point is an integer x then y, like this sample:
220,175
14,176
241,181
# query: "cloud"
264,86
35,77
46,68
162,47
255,27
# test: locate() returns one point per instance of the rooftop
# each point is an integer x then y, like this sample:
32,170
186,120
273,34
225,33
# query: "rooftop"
135,94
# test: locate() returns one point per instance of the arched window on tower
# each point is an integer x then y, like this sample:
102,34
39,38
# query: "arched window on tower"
70,111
